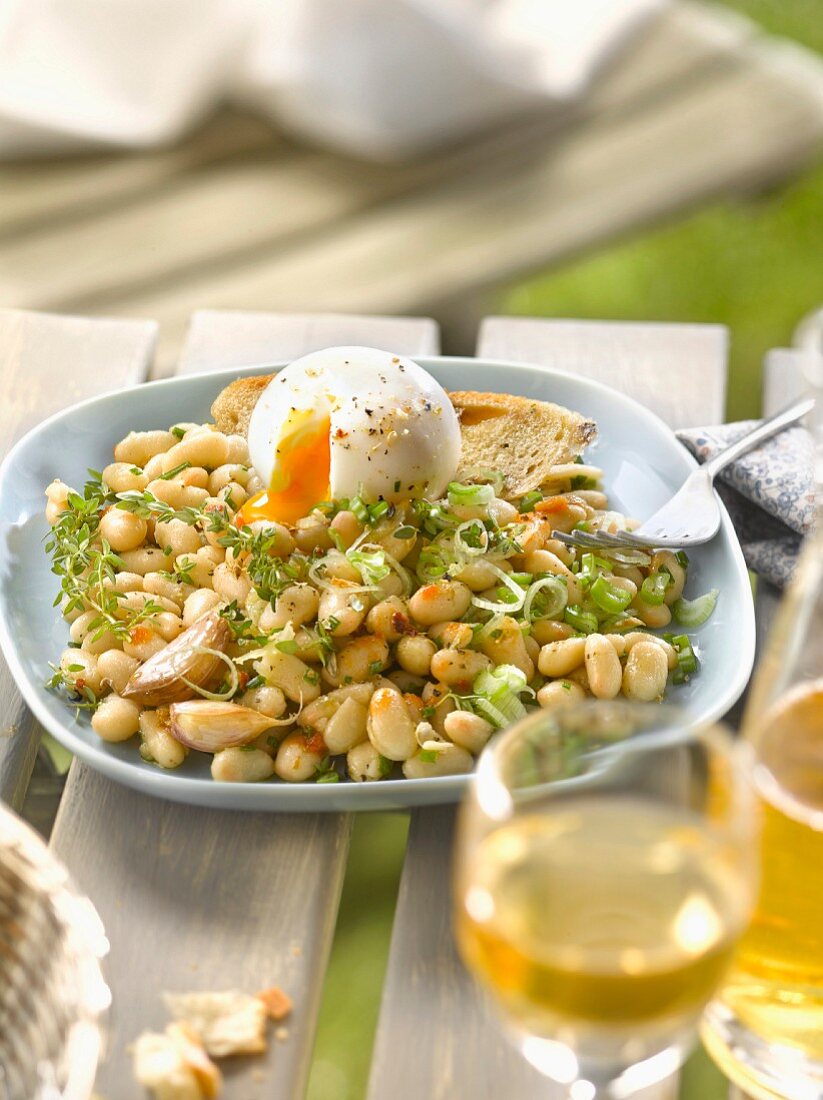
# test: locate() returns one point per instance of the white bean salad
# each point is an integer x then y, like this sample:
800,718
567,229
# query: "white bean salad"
368,640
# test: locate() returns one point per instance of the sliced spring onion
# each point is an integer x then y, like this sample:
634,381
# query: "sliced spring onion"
370,564
471,539
320,581
435,560
687,662
475,496
624,555
484,474
523,579
379,509
695,612
497,694
527,503
584,621
555,596
508,606
653,588
609,597
360,510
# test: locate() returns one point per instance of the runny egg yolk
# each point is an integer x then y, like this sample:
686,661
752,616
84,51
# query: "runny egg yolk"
301,475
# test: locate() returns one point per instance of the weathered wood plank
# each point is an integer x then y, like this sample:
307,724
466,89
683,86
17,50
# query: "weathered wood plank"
261,337
466,1053
527,206
679,370
204,899
47,363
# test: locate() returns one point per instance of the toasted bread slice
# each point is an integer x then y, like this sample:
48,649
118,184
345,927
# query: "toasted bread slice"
233,406
518,436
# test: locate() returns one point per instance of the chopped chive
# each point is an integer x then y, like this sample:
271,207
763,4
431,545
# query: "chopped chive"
375,668
174,472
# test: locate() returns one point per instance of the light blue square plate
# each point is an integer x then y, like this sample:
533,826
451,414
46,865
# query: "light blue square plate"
643,462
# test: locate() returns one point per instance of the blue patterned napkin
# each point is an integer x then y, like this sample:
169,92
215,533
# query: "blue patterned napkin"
769,493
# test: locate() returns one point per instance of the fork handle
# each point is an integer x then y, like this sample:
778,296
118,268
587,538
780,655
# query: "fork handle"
783,419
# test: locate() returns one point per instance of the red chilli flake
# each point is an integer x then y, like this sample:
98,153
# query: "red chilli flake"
315,743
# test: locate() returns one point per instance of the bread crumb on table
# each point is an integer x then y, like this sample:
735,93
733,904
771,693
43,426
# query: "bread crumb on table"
278,1004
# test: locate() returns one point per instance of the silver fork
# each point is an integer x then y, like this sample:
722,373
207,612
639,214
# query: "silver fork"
692,516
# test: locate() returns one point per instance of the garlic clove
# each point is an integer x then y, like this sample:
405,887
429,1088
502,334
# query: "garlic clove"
210,726
161,679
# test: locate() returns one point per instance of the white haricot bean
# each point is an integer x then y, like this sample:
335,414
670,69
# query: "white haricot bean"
581,677
161,584
153,468
646,672
82,624
560,693
200,565
234,495
122,530
559,658
241,765
406,681
295,761
157,746
630,572
618,643
346,727
230,584
654,616
478,575
147,559
167,625
130,602
360,660
549,630
102,644
207,449
238,450
199,603
115,669
458,667
364,764
505,645
451,635
116,719
544,561
81,669
347,526
414,654
57,493
633,637
469,731
436,603
341,611
125,582
195,475
389,618
312,533
594,498
567,517
143,642
278,538
390,585
438,697
226,474
390,726
383,535
123,477
183,538
176,494
450,760
268,700
532,648
602,667
294,677
138,447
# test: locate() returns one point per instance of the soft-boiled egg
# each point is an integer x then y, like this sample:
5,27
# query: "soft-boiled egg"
350,421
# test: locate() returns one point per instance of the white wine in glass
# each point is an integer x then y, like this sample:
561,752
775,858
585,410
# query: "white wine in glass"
603,877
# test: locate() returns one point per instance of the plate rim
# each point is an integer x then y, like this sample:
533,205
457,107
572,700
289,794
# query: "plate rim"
308,797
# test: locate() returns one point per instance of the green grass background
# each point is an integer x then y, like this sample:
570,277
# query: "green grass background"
756,266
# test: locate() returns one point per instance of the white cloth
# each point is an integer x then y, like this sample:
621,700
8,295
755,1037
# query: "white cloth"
378,78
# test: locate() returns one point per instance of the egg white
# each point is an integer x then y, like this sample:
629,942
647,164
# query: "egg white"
394,433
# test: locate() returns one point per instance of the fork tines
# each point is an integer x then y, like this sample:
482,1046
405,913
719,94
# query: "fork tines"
594,540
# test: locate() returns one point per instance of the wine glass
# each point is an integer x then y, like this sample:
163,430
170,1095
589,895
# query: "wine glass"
604,870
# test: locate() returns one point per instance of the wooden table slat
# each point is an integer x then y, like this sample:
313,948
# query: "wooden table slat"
49,362
202,899
427,992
